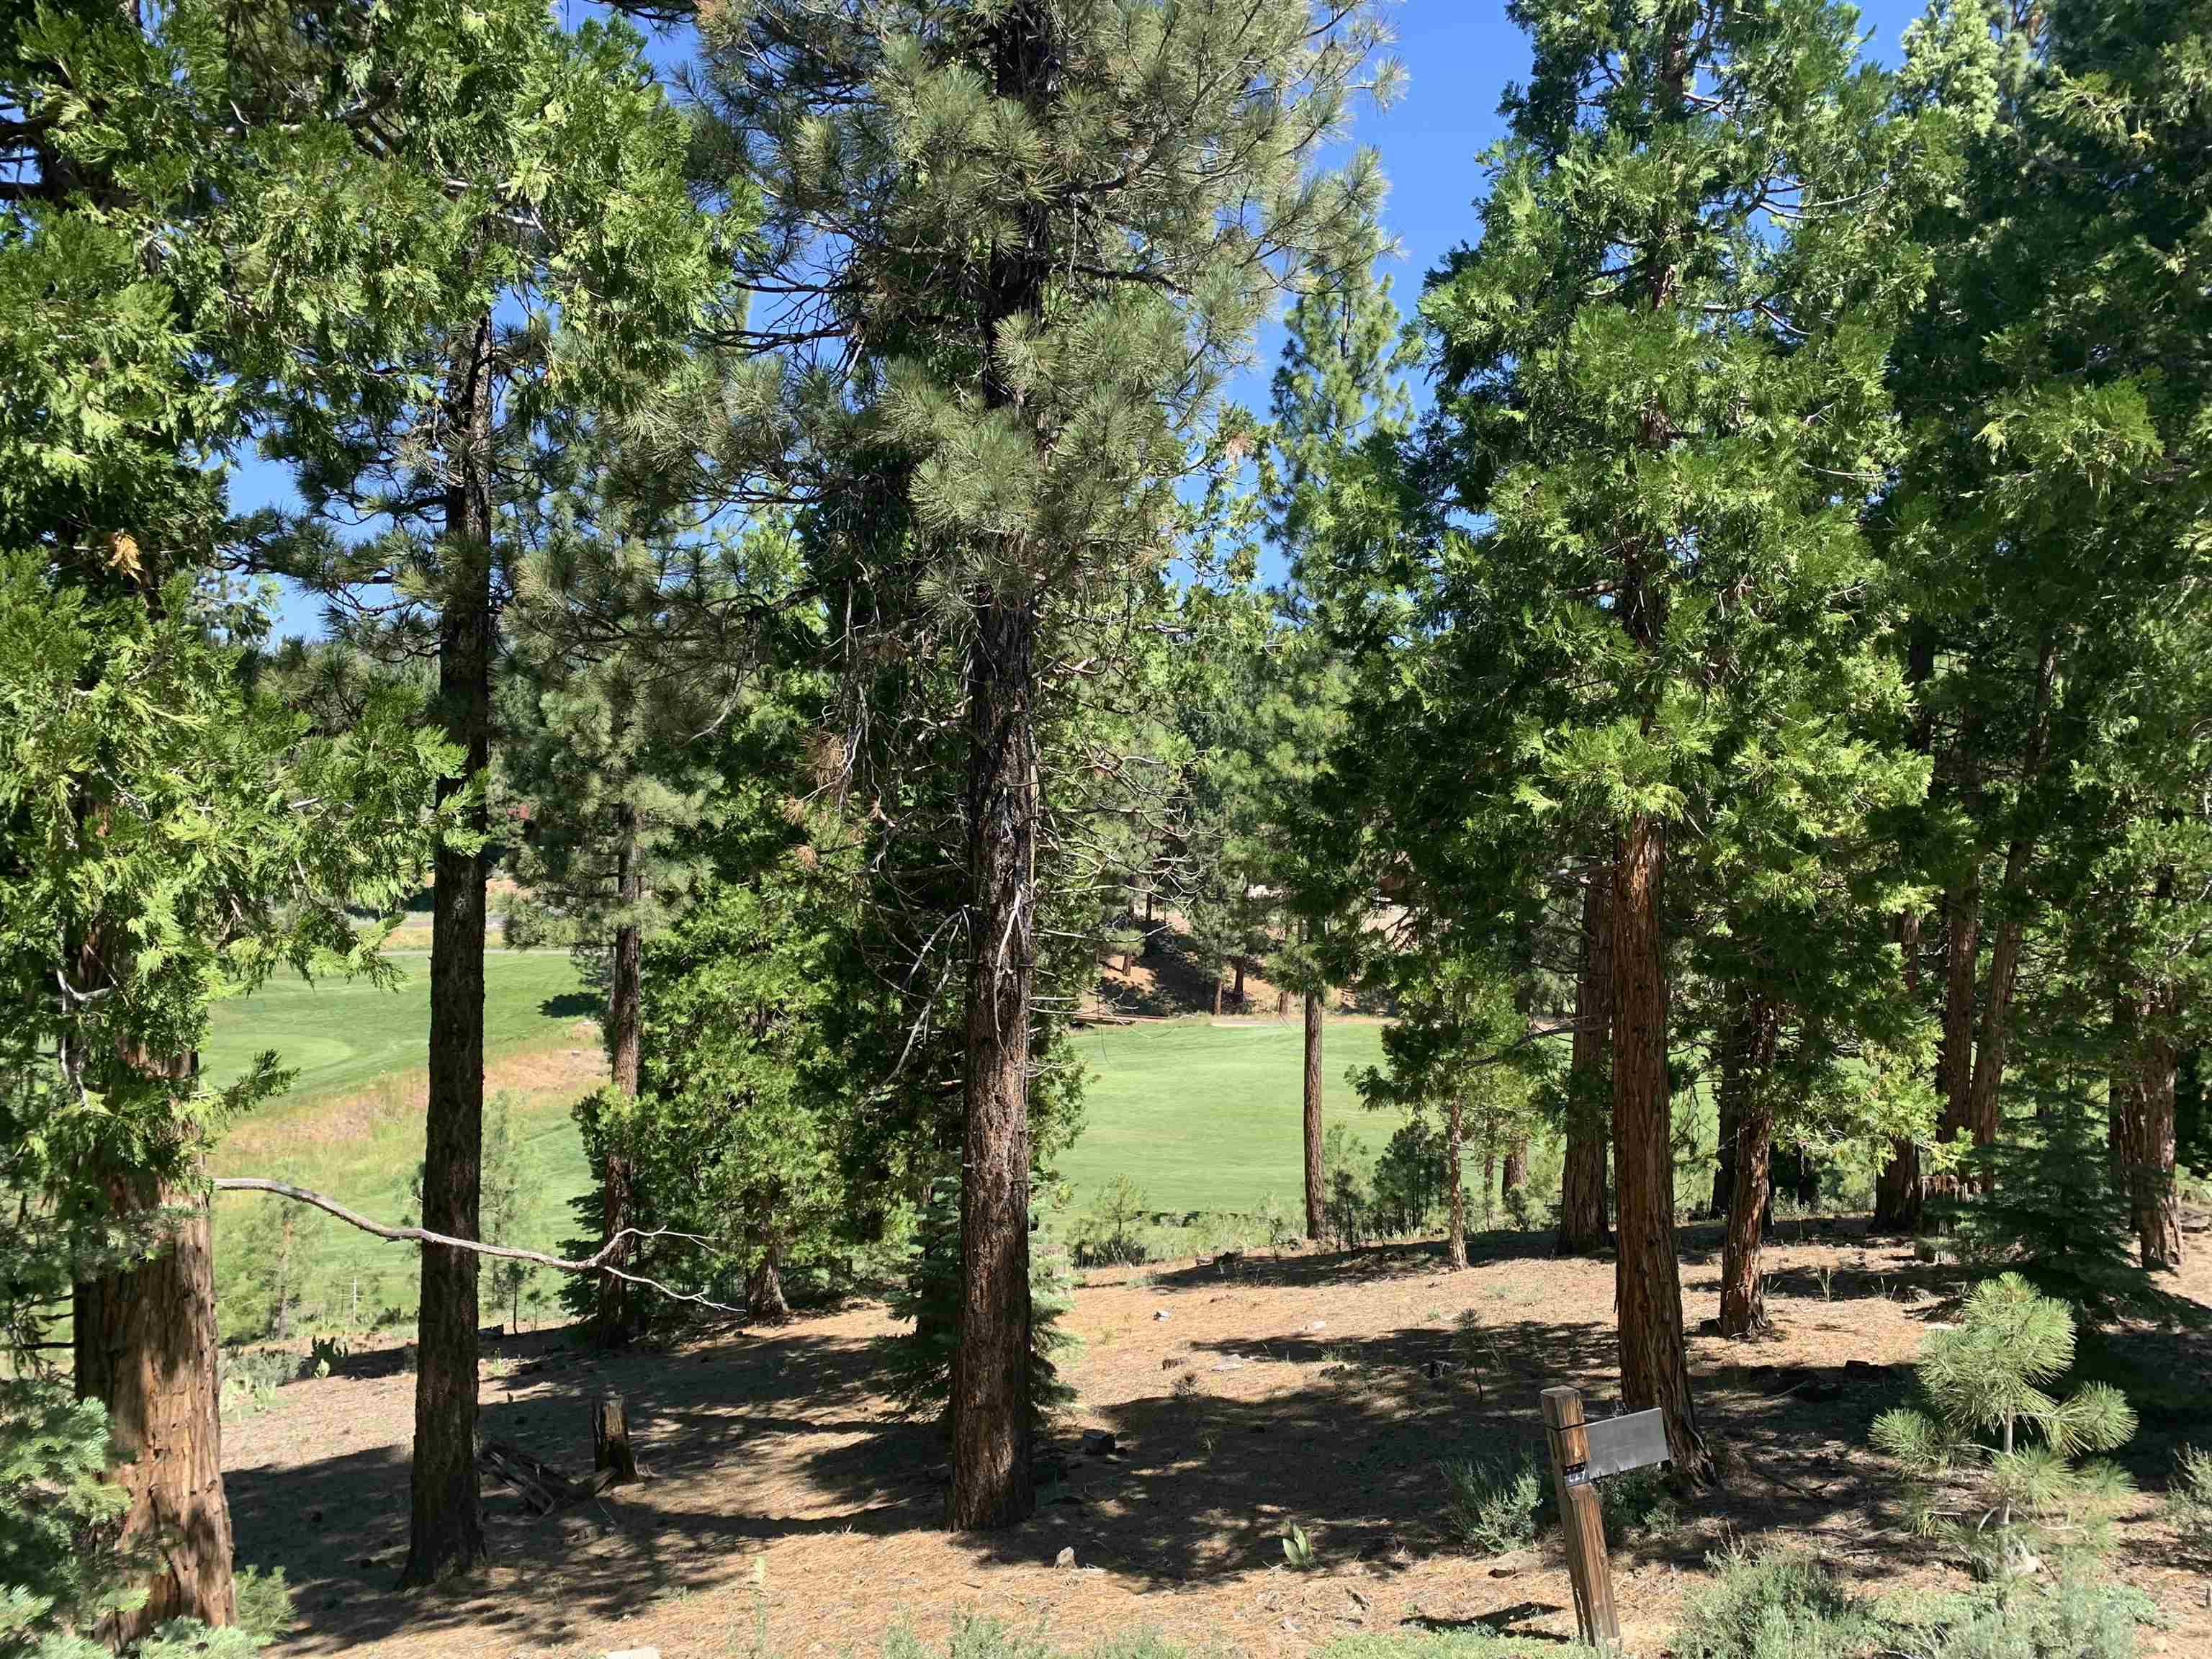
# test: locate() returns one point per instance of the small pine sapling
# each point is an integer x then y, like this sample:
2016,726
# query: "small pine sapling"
2045,1204
1990,1454
921,1365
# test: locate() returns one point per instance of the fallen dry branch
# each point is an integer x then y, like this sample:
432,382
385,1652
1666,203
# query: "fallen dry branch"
602,1263
542,1487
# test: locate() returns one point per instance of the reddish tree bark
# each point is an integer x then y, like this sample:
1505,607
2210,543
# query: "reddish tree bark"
1582,1229
1316,1178
1747,1065
1455,1185
2143,1128
446,1527
1647,1280
145,1348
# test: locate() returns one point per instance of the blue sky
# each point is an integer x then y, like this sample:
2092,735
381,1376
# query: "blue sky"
1460,56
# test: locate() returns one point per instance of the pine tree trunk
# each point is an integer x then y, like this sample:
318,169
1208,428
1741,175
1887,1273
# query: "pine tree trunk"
1748,1063
611,1317
1900,1197
445,1533
1647,1280
1955,1063
1238,992
1316,1178
1992,1041
1282,1000
2153,1199
1456,1198
991,1481
1216,995
145,1348
1583,1229
1516,1175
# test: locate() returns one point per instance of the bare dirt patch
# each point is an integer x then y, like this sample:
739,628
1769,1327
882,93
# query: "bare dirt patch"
785,1506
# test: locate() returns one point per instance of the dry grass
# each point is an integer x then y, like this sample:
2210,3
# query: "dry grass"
1276,1391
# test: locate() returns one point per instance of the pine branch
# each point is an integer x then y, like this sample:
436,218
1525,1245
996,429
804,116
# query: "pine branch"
600,1263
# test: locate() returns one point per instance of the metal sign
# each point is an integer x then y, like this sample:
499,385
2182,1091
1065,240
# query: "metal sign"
1617,1444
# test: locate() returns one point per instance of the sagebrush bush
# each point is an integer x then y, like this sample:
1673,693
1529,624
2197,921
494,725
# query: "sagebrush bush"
1777,1604
2075,1617
1494,1505
2188,1499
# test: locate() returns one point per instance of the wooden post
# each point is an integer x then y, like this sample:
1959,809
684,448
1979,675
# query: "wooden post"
1582,1519
610,1447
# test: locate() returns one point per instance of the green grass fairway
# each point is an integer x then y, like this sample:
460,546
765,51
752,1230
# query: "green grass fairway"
352,1124
1206,1117
341,1034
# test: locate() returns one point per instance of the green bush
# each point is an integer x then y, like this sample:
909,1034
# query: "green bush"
1494,1505
1777,1604
920,1366
1108,1236
1989,1455
2188,1499
2075,1617
1787,1604
60,1571
1640,1504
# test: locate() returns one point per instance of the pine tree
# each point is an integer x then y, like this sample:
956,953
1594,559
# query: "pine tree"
1044,334
1340,407
552,260
2027,1498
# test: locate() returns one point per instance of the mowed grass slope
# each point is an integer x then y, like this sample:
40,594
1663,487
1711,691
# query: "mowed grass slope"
1207,1117
1201,1116
351,1126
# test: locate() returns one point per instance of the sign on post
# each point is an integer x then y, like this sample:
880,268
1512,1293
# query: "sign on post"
1584,1453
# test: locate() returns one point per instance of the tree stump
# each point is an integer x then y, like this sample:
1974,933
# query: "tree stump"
610,1447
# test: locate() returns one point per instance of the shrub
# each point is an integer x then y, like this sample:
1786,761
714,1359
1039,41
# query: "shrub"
1777,1604
2188,1499
2049,1209
1494,1505
1989,1454
2076,1617
60,1571
1640,1504
1108,1235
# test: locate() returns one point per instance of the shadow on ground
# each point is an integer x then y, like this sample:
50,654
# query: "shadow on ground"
762,1437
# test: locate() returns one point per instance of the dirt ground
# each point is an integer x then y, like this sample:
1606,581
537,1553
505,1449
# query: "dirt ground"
786,1509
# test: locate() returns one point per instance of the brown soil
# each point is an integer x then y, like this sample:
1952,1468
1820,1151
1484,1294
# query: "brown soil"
784,1503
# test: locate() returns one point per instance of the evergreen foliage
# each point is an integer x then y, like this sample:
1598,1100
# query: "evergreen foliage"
1990,1452
2045,1204
918,1368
